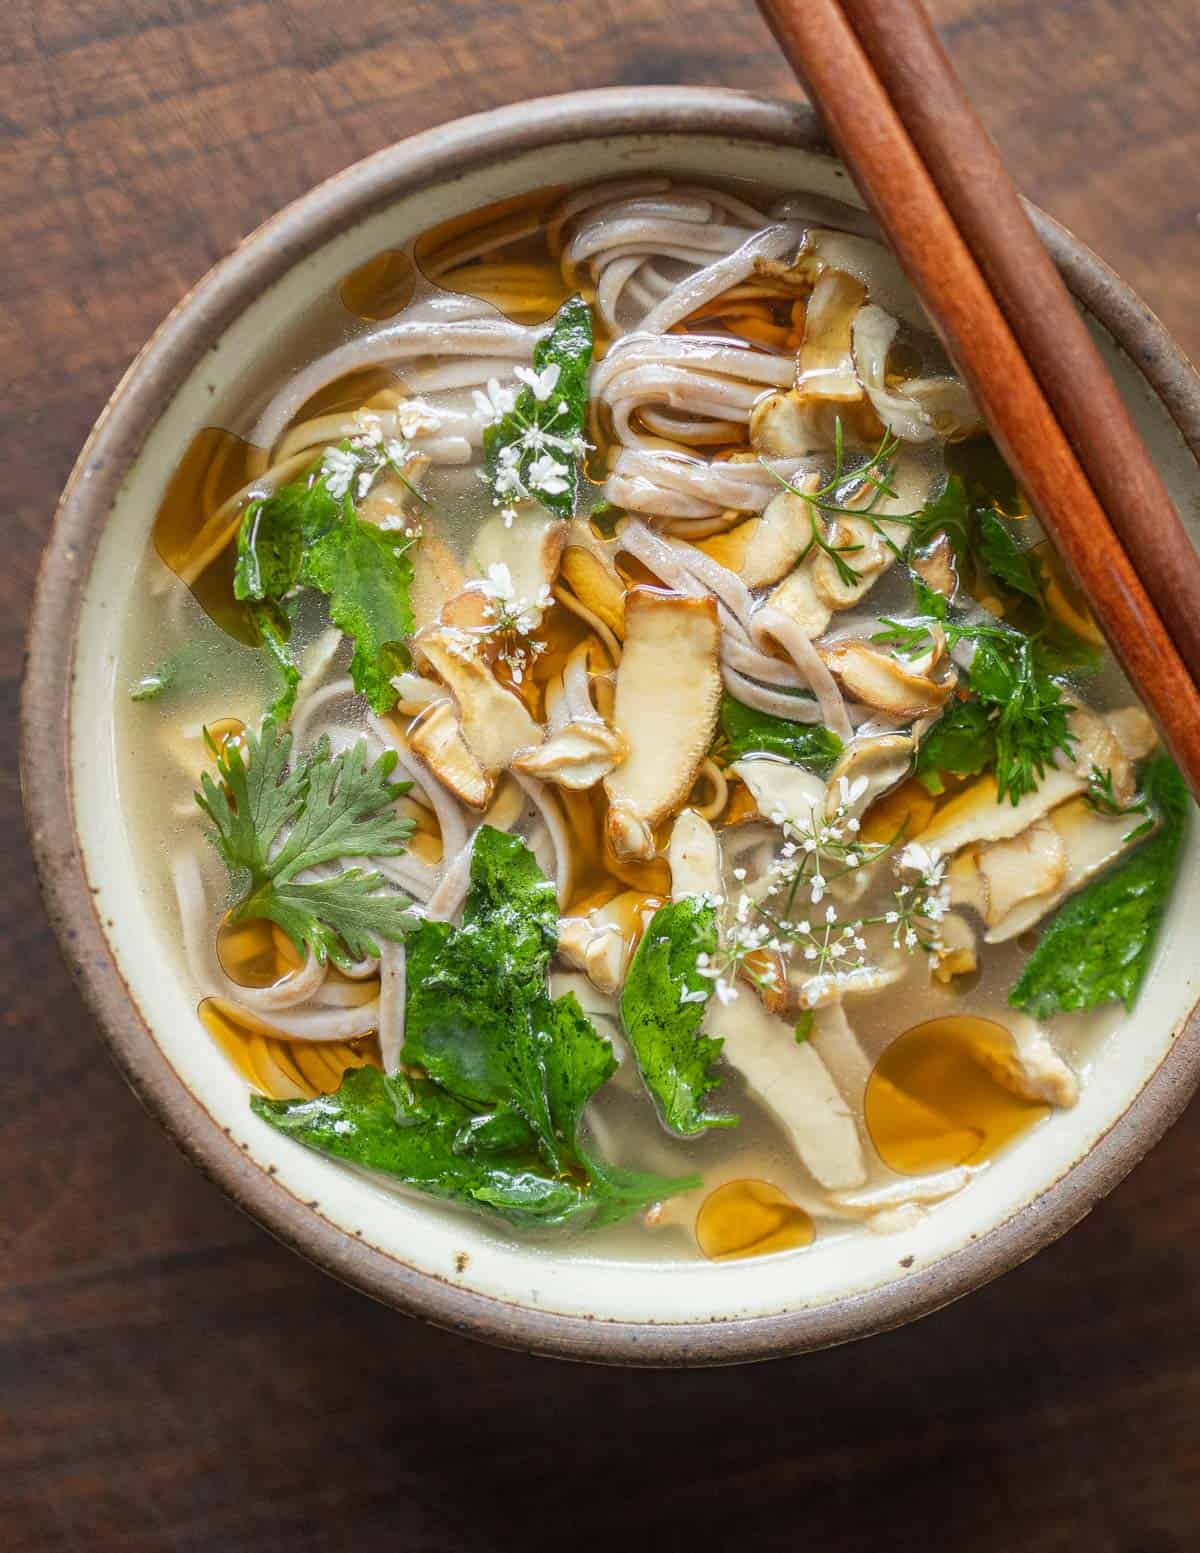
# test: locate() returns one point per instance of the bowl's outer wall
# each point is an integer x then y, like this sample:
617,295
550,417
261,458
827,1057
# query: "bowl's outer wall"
112,450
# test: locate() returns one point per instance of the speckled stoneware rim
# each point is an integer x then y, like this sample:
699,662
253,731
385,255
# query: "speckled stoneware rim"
111,450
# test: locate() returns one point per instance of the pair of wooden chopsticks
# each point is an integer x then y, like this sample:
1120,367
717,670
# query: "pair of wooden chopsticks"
935,182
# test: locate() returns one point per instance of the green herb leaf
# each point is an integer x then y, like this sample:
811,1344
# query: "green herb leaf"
302,536
961,742
552,426
747,732
1018,569
495,1123
948,513
366,573
662,1006
336,807
804,1026
1098,946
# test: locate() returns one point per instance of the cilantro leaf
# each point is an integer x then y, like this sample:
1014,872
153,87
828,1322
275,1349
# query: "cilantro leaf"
550,427
662,1006
366,573
747,731
986,479
495,1121
1098,946
305,536
332,808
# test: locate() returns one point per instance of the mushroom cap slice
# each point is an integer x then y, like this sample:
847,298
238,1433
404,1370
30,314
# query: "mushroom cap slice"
976,814
777,540
437,578
877,679
531,546
783,793
694,854
793,1083
797,598
998,876
956,954
1089,841
825,367
437,739
882,761
496,724
668,693
577,756
595,586
1034,1070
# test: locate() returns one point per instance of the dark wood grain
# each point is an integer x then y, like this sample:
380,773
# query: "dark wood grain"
172,1380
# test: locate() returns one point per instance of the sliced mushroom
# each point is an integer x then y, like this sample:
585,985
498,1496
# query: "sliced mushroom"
977,814
694,854
437,739
798,599
1034,1070
531,546
783,793
956,953
495,723
935,567
595,586
600,952
577,756
825,368
879,762
776,541
437,577
861,550
781,426
899,1192
879,680
1089,842
668,692
805,992
998,876
793,1083
1097,748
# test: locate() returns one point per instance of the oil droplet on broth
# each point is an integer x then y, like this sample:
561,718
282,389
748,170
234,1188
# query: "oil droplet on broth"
750,1218
256,953
934,1099
195,524
503,253
381,287
283,1069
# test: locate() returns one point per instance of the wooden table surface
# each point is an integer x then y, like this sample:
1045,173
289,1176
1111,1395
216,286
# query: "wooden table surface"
170,1378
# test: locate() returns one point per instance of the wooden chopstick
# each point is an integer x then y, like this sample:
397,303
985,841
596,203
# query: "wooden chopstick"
983,202
825,52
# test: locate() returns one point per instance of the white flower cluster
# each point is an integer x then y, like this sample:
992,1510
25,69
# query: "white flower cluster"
511,620
772,928
353,469
538,462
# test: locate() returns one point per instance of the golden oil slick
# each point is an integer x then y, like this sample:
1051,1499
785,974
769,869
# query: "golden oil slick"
934,1099
750,1218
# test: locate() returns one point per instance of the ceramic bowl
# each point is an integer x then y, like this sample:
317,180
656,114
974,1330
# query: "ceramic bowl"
420,1258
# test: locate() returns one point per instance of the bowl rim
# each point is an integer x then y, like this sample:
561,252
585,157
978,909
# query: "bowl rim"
113,446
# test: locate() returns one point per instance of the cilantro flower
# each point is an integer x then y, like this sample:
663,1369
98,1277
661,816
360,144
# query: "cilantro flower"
339,467
542,384
546,474
496,403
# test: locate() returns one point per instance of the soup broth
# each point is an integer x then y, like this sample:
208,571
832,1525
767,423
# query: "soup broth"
656,781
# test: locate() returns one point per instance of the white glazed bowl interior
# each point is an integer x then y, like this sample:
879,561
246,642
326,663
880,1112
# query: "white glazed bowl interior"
453,1248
